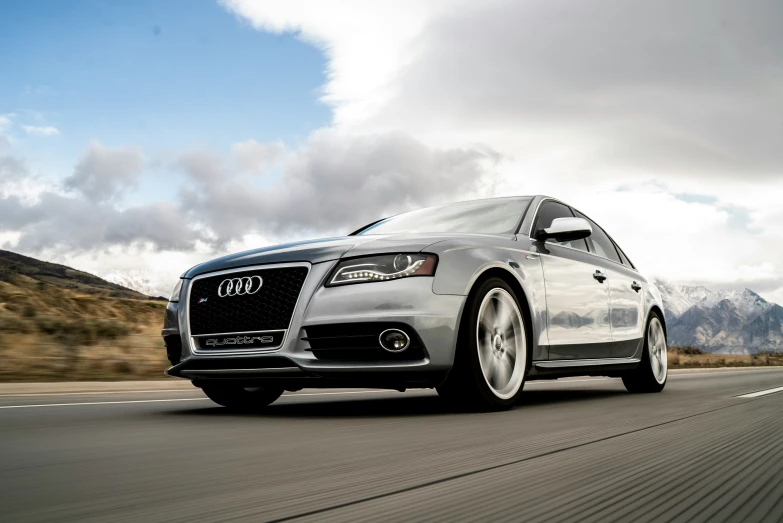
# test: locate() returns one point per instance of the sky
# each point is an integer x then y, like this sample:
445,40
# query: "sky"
137,139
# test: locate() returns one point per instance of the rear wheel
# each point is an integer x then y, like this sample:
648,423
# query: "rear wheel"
236,397
652,372
491,361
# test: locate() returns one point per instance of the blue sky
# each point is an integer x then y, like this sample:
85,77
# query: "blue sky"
162,75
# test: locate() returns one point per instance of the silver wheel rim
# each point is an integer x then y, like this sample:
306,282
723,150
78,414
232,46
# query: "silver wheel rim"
656,341
502,347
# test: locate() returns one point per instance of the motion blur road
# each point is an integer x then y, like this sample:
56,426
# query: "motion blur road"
574,449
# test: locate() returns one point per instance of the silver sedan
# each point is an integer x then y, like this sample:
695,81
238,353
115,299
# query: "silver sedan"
471,298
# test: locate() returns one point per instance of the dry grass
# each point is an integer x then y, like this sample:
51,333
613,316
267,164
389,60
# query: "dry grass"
53,333
688,359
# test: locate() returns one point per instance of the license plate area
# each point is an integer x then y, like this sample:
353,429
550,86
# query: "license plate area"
241,341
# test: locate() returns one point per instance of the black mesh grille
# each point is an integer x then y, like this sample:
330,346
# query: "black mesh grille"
270,308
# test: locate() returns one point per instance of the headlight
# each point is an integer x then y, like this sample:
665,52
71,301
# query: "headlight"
384,267
175,293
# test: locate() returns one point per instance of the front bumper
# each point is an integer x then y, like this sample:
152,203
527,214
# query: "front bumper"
408,301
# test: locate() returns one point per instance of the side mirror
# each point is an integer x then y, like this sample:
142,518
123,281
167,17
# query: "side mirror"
565,230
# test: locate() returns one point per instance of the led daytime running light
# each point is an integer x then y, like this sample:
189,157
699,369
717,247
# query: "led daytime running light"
352,273
383,268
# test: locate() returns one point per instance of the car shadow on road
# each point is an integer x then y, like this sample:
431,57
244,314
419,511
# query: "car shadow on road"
404,405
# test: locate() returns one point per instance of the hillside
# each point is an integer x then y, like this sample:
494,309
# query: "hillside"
60,323
13,265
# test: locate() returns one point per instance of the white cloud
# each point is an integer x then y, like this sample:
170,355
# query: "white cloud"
364,41
582,100
257,157
33,90
41,130
258,189
620,108
104,173
342,180
6,121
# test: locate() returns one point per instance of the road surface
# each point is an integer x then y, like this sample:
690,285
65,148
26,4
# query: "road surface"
577,449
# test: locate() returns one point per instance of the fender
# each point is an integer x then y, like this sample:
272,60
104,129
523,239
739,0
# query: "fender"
462,264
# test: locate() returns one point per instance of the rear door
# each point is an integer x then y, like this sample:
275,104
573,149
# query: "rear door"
577,303
625,292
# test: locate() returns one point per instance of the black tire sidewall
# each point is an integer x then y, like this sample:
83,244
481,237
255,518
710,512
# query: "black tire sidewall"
642,380
486,398
237,398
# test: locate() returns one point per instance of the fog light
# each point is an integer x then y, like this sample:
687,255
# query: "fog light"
394,340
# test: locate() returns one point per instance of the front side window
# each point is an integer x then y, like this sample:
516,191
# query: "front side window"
495,216
601,242
547,213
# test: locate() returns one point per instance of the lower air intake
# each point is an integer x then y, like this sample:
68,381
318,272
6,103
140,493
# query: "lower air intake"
360,342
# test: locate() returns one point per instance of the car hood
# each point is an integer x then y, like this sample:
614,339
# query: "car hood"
318,251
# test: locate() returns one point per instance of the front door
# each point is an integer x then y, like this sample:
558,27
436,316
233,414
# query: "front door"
625,293
578,322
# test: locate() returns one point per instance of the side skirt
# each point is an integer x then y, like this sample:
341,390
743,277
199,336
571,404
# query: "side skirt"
553,369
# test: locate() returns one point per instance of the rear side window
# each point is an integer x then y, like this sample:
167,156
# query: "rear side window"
623,257
602,244
547,213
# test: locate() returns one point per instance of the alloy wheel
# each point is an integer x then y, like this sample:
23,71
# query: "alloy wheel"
502,347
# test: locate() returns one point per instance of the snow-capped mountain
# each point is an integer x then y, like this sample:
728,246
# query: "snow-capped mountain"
746,302
721,321
138,282
679,298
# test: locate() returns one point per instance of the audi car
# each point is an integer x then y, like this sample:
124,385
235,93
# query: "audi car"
472,298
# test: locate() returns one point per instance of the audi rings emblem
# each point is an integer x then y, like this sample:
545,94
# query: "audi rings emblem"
240,286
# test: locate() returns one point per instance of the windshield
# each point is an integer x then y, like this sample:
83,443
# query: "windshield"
496,216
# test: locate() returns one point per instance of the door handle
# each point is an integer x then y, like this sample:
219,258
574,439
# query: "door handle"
635,286
598,275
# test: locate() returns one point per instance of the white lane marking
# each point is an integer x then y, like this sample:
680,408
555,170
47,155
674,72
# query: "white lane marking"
24,394
717,371
195,389
97,403
761,393
293,395
565,380
534,382
174,399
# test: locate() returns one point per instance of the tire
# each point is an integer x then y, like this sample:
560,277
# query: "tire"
652,372
239,398
492,356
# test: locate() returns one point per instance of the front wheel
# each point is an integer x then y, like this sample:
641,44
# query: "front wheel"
235,397
492,358
652,372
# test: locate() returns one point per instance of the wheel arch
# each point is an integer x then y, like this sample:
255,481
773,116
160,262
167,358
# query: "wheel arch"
656,309
509,277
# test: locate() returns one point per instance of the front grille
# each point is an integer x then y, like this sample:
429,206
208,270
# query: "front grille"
271,308
359,341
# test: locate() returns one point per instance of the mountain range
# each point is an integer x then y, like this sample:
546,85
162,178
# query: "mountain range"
736,322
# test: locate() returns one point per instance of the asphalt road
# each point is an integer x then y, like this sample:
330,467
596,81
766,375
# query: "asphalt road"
580,449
